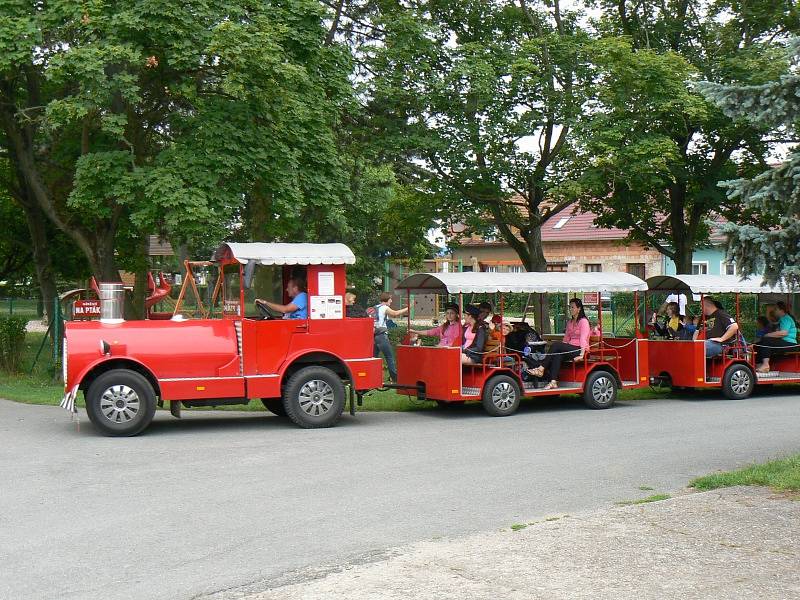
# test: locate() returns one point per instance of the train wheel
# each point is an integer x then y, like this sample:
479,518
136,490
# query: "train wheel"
274,405
600,390
501,396
314,397
738,382
121,402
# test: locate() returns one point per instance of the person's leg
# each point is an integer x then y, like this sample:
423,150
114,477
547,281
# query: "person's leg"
559,351
713,349
382,341
766,349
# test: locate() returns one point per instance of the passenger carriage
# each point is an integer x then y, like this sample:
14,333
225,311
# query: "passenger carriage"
683,363
436,373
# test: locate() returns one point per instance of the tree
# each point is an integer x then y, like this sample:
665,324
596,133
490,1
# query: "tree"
132,118
658,149
773,196
484,98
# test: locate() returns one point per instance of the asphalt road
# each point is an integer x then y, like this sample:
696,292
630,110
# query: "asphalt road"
219,500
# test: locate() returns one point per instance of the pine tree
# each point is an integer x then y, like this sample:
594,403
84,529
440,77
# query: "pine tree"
773,197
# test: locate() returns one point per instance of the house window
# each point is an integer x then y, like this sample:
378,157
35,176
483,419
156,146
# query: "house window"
700,268
637,269
593,268
561,222
728,268
491,269
515,269
557,267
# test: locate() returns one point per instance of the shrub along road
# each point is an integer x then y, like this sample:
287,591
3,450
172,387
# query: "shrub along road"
223,499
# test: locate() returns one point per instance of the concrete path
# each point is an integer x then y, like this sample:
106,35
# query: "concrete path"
220,500
731,543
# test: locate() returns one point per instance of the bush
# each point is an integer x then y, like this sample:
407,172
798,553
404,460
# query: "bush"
12,341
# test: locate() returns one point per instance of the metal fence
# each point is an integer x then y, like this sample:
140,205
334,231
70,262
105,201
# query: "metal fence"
30,308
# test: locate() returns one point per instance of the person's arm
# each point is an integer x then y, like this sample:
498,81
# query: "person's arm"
777,334
584,331
281,308
433,332
729,333
396,313
479,343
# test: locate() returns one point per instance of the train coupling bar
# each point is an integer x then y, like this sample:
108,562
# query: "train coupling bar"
419,388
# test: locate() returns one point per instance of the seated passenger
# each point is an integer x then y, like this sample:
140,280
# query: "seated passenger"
722,332
351,309
778,341
449,331
574,345
474,337
487,316
671,326
298,307
763,327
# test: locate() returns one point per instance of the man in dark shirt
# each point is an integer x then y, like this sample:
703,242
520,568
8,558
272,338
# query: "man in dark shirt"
723,329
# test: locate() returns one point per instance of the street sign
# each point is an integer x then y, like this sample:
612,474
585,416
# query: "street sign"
86,309
591,298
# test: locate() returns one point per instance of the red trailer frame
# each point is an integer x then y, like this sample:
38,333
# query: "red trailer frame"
436,373
682,363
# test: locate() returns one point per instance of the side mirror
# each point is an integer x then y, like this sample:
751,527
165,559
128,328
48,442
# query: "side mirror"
249,272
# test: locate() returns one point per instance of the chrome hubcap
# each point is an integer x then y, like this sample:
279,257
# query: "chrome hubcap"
603,390
316,397
119,404
740,381
503,395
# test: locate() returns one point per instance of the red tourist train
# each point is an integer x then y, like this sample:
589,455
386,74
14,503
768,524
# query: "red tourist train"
498,382
302,367
683,363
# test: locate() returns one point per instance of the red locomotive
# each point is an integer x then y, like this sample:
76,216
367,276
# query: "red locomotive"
299,367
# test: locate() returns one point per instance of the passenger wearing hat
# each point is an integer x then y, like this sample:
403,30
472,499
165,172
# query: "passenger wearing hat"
474,336
723,330
449,332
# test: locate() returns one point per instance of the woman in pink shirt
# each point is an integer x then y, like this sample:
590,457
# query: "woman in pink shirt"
574,345
448,332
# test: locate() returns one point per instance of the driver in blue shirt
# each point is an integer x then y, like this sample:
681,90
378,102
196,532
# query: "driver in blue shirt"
298,307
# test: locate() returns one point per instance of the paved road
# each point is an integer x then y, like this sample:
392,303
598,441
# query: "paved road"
219,500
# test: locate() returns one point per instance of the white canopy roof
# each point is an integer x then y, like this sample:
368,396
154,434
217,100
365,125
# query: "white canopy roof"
712,284
525,283
287,254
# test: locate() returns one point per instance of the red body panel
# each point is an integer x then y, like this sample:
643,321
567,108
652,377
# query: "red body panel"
683,360
199,358
438,368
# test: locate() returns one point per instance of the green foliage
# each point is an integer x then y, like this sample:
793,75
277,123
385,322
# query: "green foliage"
770,241
783,474
462,83
12,341
658,149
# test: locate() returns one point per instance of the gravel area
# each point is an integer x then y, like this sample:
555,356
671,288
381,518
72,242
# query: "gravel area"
730,543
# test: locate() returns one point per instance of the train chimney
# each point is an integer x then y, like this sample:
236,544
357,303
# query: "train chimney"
112,302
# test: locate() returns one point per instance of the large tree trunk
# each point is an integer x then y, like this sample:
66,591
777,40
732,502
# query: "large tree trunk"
538,263
682,239
41,257
138,309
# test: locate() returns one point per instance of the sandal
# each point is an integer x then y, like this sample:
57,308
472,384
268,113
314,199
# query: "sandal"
536,372
551,386
762,370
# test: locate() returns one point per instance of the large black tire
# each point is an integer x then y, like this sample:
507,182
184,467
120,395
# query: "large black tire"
274,405
600,390
121,402
501,396
738,382
314,397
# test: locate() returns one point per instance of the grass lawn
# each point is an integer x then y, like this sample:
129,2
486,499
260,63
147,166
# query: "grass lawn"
42,387
781,475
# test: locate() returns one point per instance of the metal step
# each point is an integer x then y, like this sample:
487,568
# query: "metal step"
470,391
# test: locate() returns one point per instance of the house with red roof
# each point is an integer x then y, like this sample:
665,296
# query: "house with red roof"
572,242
